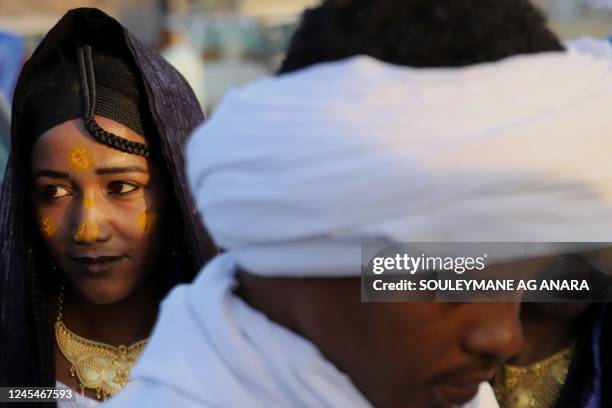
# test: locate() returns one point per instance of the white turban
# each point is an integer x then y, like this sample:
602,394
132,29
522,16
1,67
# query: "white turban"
292,173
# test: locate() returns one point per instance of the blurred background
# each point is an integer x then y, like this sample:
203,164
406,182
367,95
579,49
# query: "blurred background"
216,44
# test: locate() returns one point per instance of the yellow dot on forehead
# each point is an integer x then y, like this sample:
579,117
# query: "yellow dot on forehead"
80,159
47,227
87,231
147,221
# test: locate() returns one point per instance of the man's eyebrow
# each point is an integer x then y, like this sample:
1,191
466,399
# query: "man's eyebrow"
117,170
49,173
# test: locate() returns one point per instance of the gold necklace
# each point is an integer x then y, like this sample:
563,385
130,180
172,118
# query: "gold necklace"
98,366
536,386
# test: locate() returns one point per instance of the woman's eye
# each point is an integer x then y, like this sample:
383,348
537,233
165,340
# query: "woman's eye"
121,187
54,192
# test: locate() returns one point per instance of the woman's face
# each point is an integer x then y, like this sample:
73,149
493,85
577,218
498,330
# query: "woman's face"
99,210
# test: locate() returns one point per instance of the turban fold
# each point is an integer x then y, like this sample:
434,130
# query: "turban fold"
294,172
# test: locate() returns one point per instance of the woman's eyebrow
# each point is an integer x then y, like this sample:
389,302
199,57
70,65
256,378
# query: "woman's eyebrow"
116,170
49,173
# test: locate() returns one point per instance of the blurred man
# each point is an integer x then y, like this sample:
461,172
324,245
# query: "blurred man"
293,172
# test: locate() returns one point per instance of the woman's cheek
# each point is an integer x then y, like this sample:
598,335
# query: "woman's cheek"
51,223
147,221
48,227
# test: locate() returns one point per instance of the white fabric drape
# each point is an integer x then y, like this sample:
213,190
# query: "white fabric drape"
210,349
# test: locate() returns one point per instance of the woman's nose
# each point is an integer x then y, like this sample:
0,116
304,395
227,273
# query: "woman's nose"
90,224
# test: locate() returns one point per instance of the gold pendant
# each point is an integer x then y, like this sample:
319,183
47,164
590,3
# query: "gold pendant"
97,366
536,386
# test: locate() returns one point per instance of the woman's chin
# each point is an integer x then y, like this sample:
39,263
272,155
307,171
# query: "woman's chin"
101,292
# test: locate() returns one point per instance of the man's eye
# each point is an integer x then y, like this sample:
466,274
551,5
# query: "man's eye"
54,192
121,187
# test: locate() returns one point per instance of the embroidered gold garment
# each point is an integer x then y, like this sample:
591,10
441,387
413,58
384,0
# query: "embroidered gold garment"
536,386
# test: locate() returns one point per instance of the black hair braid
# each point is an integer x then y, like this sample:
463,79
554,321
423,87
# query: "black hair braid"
114,141
88,95
43,333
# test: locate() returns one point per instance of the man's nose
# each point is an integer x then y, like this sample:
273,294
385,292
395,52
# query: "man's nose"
495,331
89,224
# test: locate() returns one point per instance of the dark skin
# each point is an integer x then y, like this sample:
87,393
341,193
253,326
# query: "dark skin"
549,328
100,213
398,354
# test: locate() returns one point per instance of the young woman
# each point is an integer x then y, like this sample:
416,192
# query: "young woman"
96,220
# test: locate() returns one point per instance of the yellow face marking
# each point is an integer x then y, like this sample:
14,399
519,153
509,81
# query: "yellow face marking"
88,202
87,231
147,221
80,159
47,228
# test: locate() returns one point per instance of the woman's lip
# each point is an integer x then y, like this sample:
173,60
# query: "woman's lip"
96,265
97,259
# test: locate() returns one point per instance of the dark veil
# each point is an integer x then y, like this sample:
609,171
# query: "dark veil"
26,336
